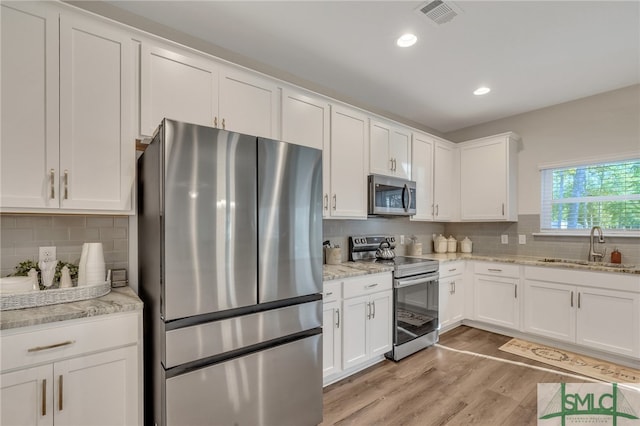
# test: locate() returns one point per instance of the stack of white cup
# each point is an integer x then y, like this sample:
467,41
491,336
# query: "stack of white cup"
92,268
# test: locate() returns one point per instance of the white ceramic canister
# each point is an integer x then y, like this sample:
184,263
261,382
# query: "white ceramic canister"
466,245
452,244
440,244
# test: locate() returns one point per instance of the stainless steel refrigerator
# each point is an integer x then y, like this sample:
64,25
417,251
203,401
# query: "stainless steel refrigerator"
230,260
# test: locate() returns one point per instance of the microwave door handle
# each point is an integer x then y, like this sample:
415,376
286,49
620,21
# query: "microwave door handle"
408,196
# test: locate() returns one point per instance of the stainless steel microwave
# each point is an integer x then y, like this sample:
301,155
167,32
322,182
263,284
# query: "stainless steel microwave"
389,196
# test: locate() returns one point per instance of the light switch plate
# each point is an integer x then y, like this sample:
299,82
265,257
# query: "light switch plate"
504,238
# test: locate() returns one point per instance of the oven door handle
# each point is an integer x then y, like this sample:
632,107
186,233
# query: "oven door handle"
414,281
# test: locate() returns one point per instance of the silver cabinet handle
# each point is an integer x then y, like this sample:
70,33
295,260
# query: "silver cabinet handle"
578,300
44,397
52,178
502,209
338,322
516,291
223,124
55,345
215,121
60,393
329,293
433,209
437,209
66,184
374,309
494,270
335,201
572,299
391,164
326,201
453,269
371,285
368,310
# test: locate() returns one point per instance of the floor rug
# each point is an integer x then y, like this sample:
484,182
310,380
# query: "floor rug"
591,367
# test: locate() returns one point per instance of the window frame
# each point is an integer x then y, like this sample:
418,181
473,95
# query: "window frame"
546,184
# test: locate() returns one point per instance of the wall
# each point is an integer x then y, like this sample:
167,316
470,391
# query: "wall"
593,127
22,235
338,232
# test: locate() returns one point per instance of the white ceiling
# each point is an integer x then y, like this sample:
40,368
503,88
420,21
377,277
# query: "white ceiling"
531,53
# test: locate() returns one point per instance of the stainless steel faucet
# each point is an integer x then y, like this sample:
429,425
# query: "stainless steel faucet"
595,256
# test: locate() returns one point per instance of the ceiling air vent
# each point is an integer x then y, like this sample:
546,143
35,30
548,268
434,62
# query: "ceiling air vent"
439,12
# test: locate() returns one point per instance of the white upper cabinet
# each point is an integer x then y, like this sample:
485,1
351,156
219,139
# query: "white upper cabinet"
30,108
97,153
422,173
434,165
488,178
178,85
66,95
446,184
389,148
348,151
182,85
305,119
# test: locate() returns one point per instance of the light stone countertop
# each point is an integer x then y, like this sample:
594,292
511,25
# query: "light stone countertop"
351,269
121,299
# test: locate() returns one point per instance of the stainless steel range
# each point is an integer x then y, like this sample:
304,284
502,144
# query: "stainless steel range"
415,294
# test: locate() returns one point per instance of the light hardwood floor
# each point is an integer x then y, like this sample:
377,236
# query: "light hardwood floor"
437,386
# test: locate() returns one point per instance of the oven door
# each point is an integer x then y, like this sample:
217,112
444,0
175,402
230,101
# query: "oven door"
415,307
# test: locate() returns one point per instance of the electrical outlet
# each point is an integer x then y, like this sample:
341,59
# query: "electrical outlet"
504,238
401,239
522,239
47,254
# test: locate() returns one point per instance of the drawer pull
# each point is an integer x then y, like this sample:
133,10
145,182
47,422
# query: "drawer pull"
60,392
329,293
453,269
52,178
44,397
372,285
494,270
66,184
55,345
338,322
572,299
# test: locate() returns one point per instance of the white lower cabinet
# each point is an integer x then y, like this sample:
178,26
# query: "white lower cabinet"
496,299
604,319
357,328
85,373
451,294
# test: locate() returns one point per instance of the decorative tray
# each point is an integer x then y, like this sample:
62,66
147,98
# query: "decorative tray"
51,297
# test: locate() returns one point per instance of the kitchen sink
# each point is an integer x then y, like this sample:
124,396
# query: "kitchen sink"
587,263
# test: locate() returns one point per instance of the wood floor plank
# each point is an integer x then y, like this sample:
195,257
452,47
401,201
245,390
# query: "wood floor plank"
440,387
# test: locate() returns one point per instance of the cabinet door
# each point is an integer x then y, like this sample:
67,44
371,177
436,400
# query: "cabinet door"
399,151
356,313
97,151
99,389
422,174
609,320
26,396
348,171
456,302
549,310
179,86
483,186
445,190
496,300
380,161
331,338
248,104
29,148
445,295
380,323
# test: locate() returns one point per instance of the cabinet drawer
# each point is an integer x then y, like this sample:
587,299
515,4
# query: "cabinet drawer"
449,269
367,284
497,269
47,343
331,291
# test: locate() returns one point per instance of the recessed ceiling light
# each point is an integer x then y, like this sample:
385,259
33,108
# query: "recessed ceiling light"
407,40
481,91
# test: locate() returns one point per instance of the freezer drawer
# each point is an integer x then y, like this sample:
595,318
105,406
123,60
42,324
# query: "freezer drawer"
213,338
278,386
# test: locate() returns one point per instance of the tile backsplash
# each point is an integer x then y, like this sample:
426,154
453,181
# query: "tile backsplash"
22,235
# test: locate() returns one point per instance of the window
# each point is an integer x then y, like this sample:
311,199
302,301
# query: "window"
579,197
